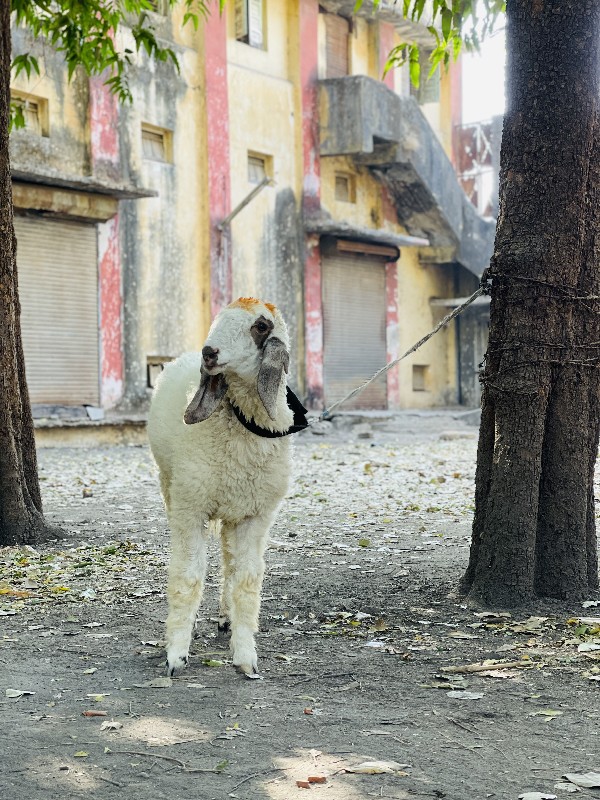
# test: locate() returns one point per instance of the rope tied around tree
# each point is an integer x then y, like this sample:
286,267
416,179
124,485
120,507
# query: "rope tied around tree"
525,348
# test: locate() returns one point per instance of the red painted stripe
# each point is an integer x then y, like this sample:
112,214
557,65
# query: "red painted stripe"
311,199
109,275
309,56
313,305
386,44
391,324
105,155
219,186
104,129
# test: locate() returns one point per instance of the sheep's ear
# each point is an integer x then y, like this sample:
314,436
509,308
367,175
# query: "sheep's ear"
210,393
275,362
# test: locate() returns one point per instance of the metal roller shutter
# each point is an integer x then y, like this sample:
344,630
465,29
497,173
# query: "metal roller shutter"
58,287
354,332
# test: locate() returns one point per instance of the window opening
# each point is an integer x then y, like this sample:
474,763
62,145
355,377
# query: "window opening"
156,144
33,111
345,188
250,22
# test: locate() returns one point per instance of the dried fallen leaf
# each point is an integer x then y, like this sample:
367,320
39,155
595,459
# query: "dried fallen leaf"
536,796
17,693
483,666
567,787
498,673
530,625
81,754
588,780
377,768
550,713
591,621
111,725
460,694
156,683
493,617
94,714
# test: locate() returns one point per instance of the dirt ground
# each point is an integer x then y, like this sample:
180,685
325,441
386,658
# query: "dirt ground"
360,624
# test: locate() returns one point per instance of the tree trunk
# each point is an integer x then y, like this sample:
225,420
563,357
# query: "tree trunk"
21,519
534,529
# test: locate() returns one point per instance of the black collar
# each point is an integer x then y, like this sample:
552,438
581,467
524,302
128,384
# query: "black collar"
299,424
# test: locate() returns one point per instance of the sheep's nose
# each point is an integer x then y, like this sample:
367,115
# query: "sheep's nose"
209,354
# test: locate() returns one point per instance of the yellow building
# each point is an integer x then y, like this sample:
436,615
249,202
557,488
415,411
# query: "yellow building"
278,162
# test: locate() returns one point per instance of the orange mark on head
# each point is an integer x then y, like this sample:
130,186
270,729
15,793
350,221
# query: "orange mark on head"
250,303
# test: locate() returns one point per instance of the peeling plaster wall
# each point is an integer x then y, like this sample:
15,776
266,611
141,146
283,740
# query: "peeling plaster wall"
266,236
417,284
79,142
66,151
367,210
165,238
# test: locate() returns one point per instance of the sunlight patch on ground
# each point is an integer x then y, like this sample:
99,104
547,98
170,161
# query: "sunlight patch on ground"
311,764
62,773
159,732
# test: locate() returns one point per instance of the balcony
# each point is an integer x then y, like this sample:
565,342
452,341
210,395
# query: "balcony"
361,118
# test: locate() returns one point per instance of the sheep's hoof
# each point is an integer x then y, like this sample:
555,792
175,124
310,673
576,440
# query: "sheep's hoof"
248,671
223,625
175,664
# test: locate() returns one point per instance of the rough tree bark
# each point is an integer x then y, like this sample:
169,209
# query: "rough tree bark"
534,528
21,519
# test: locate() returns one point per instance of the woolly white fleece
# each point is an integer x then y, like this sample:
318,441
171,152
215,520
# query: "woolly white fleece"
216,470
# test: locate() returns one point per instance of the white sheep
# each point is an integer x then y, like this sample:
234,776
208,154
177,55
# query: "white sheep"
220,471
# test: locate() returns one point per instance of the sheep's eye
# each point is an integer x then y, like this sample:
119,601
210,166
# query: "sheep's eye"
262,327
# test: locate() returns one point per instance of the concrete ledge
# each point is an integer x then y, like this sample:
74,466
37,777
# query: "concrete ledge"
88,433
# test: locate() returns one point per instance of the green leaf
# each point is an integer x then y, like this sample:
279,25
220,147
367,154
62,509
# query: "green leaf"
417,11
446,23
17,118
414,65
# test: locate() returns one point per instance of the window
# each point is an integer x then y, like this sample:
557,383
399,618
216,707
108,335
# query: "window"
156,144
259,167
33,111
420,378
345,187
337,41
154,366
250,22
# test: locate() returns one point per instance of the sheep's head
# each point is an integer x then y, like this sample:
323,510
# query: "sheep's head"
248,339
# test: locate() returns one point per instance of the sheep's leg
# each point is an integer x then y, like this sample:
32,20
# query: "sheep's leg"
187,568
246,544
227,572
